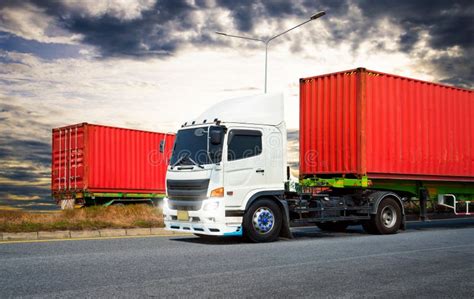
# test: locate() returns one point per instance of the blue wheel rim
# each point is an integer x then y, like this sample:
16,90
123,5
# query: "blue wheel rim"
263,220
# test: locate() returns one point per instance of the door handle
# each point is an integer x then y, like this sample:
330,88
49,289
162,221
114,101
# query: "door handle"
260,171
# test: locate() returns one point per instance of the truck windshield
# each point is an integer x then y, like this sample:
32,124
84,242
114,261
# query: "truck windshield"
193,147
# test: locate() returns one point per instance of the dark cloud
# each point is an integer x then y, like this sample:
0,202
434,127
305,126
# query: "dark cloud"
10,42
164,28
24,161
448,24
25,157
155,32
23,174
34,151
247,14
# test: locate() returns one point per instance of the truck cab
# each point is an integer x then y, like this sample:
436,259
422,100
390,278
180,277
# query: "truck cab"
228,171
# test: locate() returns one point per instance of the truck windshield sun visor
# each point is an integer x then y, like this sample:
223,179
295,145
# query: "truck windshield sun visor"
193,146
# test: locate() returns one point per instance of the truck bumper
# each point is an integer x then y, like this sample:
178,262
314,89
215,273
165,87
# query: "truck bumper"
204,221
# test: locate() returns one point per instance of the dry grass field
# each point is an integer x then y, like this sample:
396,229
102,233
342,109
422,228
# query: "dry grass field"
127,216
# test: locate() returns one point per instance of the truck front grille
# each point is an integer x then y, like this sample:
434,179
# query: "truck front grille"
187,189
185,205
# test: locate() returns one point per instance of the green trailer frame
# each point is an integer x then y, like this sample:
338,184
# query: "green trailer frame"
87,198
464,191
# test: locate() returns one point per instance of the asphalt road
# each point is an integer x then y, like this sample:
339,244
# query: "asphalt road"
434,260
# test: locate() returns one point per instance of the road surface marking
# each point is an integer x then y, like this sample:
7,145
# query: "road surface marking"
94,238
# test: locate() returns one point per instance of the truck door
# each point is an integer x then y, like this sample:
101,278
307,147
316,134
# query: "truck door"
244,169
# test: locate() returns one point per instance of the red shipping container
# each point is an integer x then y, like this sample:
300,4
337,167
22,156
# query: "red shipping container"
89,158
361,122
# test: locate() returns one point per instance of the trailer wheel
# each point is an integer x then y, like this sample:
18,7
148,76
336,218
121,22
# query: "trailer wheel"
333,226
262,221
387,220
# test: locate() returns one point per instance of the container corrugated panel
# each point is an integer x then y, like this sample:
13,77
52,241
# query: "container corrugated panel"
96,158
362,122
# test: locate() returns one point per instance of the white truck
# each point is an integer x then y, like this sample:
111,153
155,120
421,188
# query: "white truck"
228,170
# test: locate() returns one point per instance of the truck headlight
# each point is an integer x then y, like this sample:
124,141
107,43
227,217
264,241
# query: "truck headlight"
211,206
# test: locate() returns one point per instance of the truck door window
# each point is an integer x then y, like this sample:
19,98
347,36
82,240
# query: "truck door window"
244,144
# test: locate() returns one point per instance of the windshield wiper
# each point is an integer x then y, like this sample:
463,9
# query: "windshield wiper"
194,162
181,159
186,156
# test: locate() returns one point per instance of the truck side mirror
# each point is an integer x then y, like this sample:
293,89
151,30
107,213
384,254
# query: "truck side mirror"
162,146
216,137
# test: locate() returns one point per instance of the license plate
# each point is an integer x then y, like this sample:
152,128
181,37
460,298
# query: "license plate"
183,215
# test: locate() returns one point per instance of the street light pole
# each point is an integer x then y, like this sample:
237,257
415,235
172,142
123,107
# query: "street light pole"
266,65
268,40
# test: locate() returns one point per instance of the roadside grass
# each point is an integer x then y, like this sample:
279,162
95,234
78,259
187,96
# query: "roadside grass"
90,218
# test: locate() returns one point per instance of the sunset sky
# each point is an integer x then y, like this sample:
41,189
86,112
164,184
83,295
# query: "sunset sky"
152,65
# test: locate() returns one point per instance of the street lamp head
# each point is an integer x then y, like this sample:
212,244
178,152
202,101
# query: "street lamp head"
268,40
317,15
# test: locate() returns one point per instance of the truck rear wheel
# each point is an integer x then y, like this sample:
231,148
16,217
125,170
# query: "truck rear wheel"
333,226
262,221
387,220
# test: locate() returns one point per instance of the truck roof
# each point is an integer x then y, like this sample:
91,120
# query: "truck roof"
263,109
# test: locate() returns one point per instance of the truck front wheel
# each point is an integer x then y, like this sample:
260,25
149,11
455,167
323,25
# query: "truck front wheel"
262,221
387,220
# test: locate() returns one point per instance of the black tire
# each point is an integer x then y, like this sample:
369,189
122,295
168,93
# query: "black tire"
333,226
261,211
387,220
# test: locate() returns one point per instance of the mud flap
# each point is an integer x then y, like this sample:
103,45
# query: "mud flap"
285,231
403,224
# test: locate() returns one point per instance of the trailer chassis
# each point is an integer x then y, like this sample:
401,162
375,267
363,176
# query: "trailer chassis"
363,195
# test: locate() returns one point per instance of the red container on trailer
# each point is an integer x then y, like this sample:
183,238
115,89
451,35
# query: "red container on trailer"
361,122
102,160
